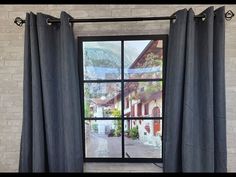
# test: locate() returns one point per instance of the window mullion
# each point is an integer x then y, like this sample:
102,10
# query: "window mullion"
122,97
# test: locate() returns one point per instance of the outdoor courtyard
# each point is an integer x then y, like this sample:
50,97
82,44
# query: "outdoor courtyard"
100,145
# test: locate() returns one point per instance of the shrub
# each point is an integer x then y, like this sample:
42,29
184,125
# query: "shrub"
118,132
133,133
111,133
95,127
118,124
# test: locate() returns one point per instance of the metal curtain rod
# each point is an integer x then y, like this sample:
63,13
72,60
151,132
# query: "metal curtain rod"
19,21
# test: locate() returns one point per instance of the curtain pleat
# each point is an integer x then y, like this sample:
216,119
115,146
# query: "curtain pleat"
195,121
51,134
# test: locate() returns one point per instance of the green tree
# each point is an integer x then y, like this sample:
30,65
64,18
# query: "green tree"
116,113
153,87
152,60
133,133
87,111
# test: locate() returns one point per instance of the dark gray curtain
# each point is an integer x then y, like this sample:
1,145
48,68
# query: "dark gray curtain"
195,121
51,135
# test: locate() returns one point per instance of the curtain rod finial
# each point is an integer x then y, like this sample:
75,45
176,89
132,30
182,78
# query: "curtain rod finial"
229,15
19,21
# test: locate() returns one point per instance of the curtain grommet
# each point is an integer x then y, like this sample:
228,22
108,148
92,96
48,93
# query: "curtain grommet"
48,22
173,20
70,24
204,17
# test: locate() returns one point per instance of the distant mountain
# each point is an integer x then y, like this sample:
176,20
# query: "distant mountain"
104,57
101,58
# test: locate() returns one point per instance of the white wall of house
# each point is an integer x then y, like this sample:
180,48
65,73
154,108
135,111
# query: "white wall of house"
98,111
103,126
152,104
144,136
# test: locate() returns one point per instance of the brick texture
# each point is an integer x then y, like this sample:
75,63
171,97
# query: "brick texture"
11,61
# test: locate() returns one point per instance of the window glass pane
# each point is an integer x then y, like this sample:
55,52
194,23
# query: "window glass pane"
145,99
103,138
102,60
143,59
101,100
143,138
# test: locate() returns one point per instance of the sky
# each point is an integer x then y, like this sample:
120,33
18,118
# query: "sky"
135,47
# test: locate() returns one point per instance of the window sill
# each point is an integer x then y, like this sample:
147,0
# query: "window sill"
92,167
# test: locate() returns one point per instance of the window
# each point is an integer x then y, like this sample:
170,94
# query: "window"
132,111
146,109
127,102
139,109
122,89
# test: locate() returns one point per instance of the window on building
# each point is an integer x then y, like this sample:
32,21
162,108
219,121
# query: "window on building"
132,111
120,72
127,102
139,109
146,109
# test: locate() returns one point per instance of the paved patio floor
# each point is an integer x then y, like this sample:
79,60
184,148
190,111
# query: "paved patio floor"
104,146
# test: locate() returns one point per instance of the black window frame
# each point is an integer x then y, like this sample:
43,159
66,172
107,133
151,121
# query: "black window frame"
122,38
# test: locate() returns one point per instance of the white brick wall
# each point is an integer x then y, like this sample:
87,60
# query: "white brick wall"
11,61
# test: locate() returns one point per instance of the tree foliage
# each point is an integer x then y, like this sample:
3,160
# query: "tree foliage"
133,133
116,113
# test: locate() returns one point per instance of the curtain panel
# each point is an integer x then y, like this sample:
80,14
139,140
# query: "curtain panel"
51,135
195,121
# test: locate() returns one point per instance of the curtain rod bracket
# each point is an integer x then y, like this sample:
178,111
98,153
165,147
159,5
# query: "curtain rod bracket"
19,21
229,15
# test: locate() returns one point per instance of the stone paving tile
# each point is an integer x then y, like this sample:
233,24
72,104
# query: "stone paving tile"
104,146
122,167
